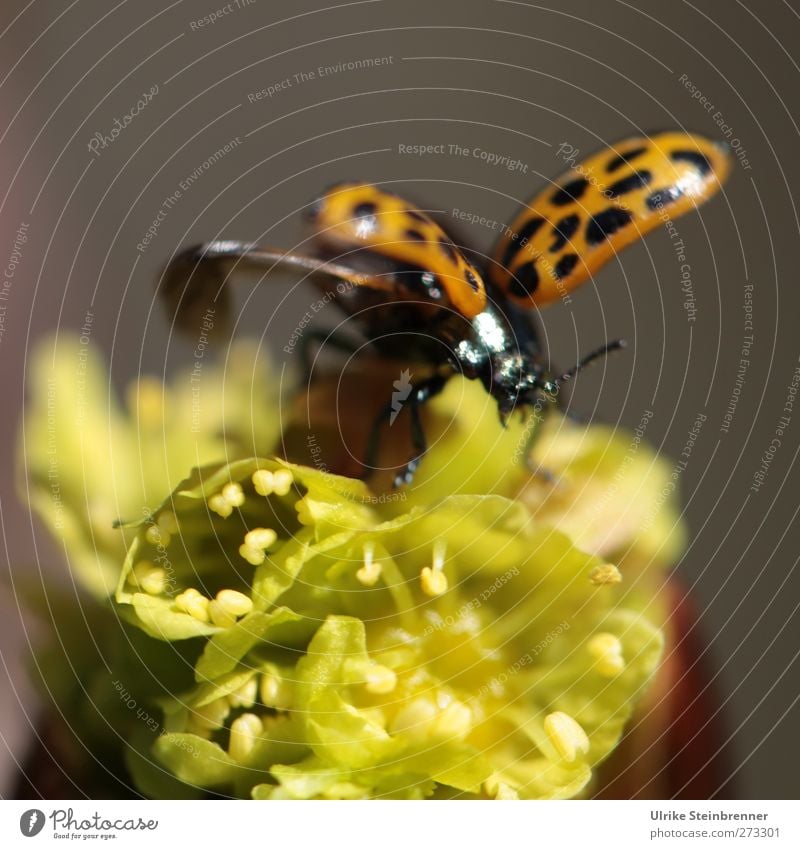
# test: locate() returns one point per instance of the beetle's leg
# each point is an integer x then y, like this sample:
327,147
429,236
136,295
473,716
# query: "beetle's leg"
424,392
420,394
373,443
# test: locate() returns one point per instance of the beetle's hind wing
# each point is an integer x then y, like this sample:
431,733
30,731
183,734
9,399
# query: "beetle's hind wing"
197,279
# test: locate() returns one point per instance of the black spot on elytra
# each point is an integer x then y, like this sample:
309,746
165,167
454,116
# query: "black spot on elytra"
564,230
618,161
525,280
417,216
695,157
449,250
606,223
526,233
663,197
565,265
529,229
472,280
414,236
637,180
364,210
569,192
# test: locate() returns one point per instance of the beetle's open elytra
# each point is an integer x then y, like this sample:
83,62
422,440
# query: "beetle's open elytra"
414,292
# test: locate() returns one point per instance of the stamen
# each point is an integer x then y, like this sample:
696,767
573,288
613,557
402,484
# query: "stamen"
505,793
369,573
155,535
212,715
260,538
380,679
607,651
233,494
275,692
497,789
432,578
606,574
246,695
192,602
303,512
254,556
566,735
235,603
282,481
454,721
220,506
219,615
154,582
263,482
414,718
150,578
245,731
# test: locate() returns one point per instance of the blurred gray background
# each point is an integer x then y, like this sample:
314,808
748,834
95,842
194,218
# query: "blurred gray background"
513,78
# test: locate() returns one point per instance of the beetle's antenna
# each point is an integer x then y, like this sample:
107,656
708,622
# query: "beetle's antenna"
614,345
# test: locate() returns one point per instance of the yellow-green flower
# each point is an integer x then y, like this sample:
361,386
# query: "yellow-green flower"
487,635
89,460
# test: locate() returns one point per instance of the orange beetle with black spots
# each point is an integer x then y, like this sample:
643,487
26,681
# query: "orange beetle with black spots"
415,295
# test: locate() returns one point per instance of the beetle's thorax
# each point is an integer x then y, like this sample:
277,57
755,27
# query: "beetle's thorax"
504,355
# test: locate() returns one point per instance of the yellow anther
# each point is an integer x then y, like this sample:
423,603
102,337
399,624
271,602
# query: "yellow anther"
454,721
245,731
505,793
167,522
495,788
149,577
156,536
234,602
220,506
212,715
219,615
254,556
192,602
607,651
380,679
414,718
303,512
140,570
246,695
433,581
154,582
282,481
605,574
233,494
263,482
369,573
275,692
260,538
566,736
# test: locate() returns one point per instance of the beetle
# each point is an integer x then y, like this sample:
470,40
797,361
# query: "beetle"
416,295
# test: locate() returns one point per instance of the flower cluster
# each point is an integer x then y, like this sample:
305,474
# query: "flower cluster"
488,636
